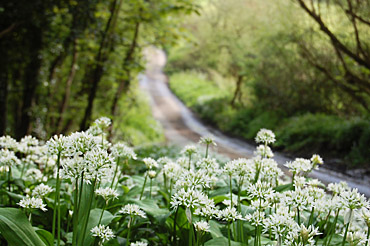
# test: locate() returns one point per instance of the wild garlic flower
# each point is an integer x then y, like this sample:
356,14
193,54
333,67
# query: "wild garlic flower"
195,180
256,218
8,158
29,141
132,210
352,199
172,170
42,190
299,182
229,214
365,214
208,140
209,164
189,150
265,136
150,163
121,150
103,122
299,198
338,188
207,209
264,151
152,174
202,226
57,144
107,193
80,143
102,232
139,243
32,203
299,165
260,190
98,165
306,234
316,160
7,142
189,198
315,183
280,222
33,174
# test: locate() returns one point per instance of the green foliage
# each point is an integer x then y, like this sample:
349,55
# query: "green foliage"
16,229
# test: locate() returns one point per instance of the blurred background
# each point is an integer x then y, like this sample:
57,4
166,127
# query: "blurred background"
298,67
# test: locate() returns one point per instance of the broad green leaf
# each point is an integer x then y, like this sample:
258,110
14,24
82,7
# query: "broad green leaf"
16,228
150,207
221,241
45,236
214,229
285,187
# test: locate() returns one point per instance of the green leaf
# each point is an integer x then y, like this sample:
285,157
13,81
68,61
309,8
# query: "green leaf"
214,229
45,236
150,207
16,228
285,187
221,241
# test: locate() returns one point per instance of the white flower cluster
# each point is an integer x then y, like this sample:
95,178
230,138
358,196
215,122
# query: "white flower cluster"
265,136
132,210
102,232
139,243
150,163
107,193
42,190
32,203
121,150
202,226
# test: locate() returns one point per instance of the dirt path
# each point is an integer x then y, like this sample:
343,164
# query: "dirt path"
181,127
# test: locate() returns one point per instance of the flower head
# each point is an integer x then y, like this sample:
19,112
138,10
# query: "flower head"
208,140
107,193
42,190
132,210
102,232
265,136
202,226
150,163
32,203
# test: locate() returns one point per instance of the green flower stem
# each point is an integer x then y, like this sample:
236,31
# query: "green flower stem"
228,233
57,196
128,232
298,217
115,173
102,212
75,214
231,192
142,190
332,227
191,236
150,191
190,161
206,156
347,226
174,227
310,221
368,235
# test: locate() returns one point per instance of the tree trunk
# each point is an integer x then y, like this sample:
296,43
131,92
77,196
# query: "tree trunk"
94,76
72,73
30,82
237,91
124,84
3,102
